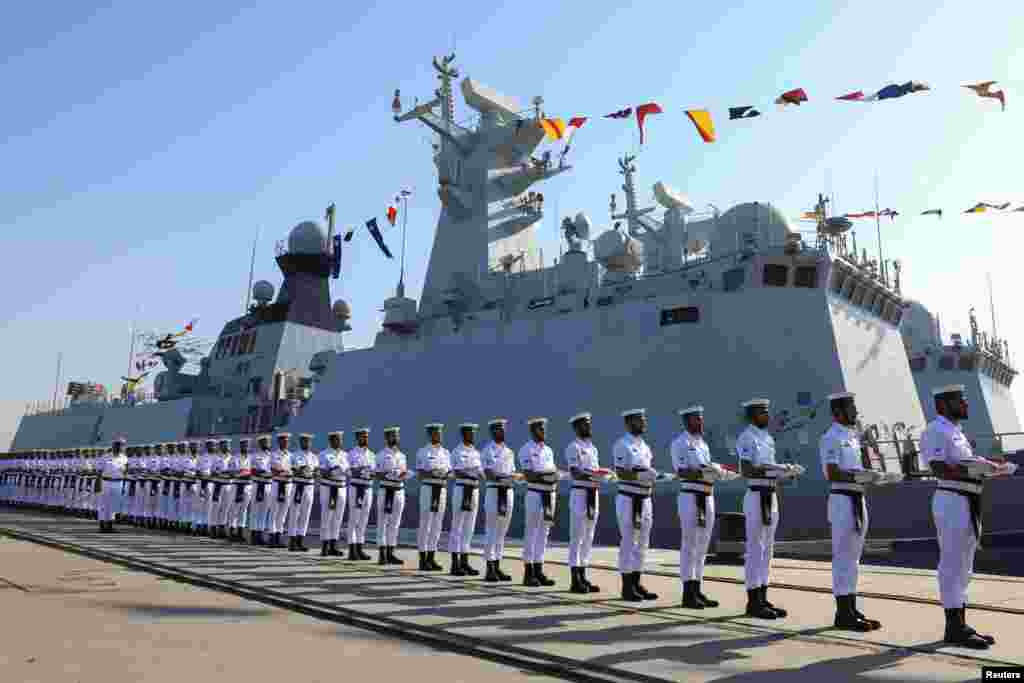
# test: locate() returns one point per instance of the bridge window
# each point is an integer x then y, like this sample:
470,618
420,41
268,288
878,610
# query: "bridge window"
806,276
776,275
733,279
683,314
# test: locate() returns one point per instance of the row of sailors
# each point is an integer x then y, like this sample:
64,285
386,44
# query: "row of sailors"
276,488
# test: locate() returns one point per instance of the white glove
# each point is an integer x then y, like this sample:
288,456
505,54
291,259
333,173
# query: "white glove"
890,478
1011,467
711,473
867,477
980,469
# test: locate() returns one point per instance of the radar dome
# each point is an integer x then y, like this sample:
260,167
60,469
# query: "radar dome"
618,252
753,218
307,238
341,310
582,224
671,199
263,291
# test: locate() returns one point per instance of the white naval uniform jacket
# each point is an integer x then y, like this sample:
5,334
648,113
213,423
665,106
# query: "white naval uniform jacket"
391,461
334,464
691,452
632,453
498,458
840,446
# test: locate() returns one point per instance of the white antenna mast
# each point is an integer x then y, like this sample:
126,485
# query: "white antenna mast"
252,268
992,306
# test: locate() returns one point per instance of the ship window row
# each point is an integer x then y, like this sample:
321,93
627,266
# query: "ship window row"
777,275
235,345
868,296
966,362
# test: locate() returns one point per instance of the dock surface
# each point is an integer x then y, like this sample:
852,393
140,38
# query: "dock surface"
552,632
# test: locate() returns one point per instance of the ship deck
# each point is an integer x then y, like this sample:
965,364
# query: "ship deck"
593,637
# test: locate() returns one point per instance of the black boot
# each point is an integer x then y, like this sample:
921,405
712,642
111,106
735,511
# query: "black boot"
359,552
257,538
873,623
957,633
491,576
591,588
291,544
529,575
352,556
457,569
276,541
764,599
756,608
538,571
708,602
691,600
434,566
392,558
963,621
629,593
325,549
382,555
424,566
846,618
300,544
502,576
469,569
333,550
577,585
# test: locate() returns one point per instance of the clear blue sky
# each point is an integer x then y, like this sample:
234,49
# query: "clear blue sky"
145,143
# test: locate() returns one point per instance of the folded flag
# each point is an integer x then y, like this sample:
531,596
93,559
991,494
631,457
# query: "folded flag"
794,96
349,234
742,113
577,122
620,114
1019,208
985,90
857,96
863,214
891,213
893,90
932,212
392,215
702,120
641,113
554,129
977,208
371,225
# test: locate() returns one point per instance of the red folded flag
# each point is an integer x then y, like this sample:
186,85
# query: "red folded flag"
577,121
852,97
392,214
641,112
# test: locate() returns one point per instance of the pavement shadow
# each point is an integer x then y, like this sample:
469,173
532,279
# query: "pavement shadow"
152,611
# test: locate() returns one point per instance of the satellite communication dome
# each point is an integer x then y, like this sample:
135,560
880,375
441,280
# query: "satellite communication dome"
837,225
307,238
618,252
671,199
582,224
341,310
263,291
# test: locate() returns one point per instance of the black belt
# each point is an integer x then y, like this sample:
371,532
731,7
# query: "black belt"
638,506
217,486
701,499
281,491
360,494
467,496
261,489
591,500
300,488
389,500
332,496
435,496
131,488
766,502
99,485
974,500
857,500
67,480
167,487
547,505
240,491
502,499
154,487
177,489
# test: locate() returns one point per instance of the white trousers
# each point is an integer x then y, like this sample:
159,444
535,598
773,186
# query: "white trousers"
847,544
279,508
497,527
298,516
388,525
957,545
259,510
760,544
634,542
694,540
581,529
110,499
537,530
168,504
330,520
429,531
460,536
359,517
237,508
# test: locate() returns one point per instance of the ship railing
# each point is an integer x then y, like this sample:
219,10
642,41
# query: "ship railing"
904,455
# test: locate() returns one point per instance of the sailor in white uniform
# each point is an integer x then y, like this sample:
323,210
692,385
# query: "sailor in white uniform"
305,464
499,463
281,499
152,469
361,462
166,476
112,473
203,501
581,459
189,491
756,450
240,494
956,508
221,497
468,472
537,462
697,474
390,471
333,494
433,466
634,510
262,491
843,464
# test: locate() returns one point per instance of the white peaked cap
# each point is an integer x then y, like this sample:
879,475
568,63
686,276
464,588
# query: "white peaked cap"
306,436
283,434
497,421
244,440
392,430
839,395
337,434
579,416
469,425
691,410
949,389
263,437
361,430
537,420
756,403
435,425
634,411
208,442
222,441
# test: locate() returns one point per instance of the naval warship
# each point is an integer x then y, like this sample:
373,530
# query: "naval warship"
651,312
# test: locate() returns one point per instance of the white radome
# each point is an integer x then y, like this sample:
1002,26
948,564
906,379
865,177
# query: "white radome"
263,291
307,238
